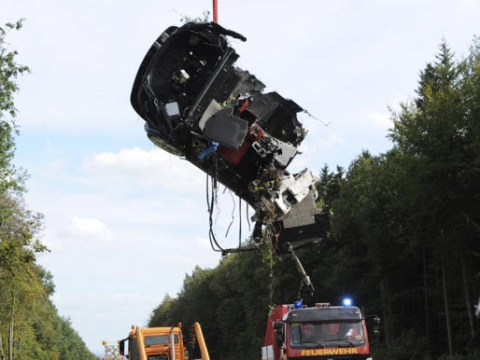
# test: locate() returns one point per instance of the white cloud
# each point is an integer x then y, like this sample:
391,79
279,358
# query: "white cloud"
379,122
136,167
90,229
132,159
57,165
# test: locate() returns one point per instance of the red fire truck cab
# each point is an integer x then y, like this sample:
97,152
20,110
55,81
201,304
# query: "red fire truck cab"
319,332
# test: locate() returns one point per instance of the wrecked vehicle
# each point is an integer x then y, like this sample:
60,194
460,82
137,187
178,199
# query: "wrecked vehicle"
198,105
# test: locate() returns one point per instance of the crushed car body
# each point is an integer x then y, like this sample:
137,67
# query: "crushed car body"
198,105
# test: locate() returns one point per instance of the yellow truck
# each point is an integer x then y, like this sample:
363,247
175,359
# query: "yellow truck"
160,343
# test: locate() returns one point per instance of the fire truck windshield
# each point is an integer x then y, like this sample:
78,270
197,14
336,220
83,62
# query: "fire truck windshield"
326,334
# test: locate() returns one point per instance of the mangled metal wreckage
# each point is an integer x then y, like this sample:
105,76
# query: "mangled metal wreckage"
198,105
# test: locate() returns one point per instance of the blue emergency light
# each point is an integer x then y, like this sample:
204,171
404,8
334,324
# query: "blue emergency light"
347,302
298,304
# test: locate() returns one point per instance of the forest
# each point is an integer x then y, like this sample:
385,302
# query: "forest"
403,241
30,326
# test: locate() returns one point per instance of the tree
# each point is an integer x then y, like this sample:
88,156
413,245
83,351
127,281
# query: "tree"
13,235
438,132
9,71
28,320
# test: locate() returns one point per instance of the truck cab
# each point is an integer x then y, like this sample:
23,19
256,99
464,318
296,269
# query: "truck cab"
318,332
156,343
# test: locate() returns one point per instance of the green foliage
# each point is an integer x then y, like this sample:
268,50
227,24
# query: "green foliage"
438,137
9,71
30,327
328,186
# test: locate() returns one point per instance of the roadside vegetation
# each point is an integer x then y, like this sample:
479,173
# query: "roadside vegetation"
30,326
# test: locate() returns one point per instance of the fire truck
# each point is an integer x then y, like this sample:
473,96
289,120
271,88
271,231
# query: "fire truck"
326,332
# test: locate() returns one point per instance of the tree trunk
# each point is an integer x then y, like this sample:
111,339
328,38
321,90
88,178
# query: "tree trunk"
468,304
425,298
387,313
12,322
2,354
445,303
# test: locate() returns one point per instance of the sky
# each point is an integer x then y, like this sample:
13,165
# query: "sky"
125,221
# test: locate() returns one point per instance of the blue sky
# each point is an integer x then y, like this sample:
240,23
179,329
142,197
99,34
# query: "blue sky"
125,221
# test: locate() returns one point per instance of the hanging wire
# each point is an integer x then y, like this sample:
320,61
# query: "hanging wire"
211,204
211,197
232,215
239,221
313,117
